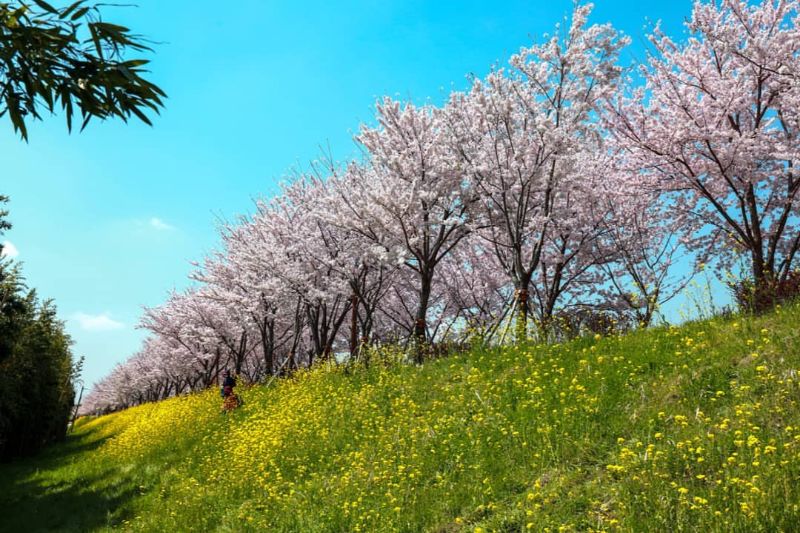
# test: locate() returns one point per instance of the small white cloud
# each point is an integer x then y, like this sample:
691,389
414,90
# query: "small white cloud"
101,322
160,225
9,250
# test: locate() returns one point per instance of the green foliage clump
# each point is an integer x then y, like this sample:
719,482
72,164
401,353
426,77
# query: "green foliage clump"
70,58
759,298
36,369
36,366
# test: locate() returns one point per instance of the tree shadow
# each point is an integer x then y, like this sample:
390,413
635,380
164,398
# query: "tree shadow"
31,499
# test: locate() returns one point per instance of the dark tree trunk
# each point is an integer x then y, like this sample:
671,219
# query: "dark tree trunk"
353,326
268,345
420,325
240,353
522,312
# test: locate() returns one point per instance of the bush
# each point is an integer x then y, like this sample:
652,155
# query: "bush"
570,323
36,370
759,298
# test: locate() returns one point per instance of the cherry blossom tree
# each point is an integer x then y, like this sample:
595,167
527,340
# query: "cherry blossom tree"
522,133
476,288
410,199
245,272
308,254
191,332
256,296
715,128
365,271
649,264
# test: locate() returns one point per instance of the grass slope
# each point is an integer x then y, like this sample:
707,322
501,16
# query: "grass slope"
682,429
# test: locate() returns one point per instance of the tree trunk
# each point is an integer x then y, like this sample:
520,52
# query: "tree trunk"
522,314
268,345
551,297
420,325
764,294
240,353
353,326
326,354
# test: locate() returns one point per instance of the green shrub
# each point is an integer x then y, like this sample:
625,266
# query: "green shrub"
36,369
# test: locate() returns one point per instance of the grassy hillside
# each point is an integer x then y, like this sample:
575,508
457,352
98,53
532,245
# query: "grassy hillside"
683,429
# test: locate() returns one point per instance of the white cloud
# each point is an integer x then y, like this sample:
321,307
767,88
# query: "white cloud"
101,322
9,250
160,225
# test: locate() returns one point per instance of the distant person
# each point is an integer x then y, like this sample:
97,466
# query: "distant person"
230,400
227,384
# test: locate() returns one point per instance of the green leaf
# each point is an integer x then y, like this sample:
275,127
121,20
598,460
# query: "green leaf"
80,13
87,117
66,12
47,7
111,28
96,39
133,63
16,118
142,116
127,73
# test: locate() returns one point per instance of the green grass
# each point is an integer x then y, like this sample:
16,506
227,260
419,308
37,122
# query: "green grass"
694,428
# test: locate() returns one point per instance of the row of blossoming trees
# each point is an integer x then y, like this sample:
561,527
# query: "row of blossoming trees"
556,183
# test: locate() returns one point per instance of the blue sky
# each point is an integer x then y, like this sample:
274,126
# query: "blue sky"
109,220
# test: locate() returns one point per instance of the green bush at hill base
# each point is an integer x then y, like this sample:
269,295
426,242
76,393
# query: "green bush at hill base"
694,428
37,371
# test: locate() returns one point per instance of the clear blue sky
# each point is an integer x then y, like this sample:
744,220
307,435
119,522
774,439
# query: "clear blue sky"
109,220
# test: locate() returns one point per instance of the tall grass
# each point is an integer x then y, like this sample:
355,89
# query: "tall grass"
694,428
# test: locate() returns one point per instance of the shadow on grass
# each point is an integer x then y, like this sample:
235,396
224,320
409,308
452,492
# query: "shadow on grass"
46,493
